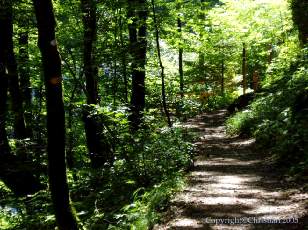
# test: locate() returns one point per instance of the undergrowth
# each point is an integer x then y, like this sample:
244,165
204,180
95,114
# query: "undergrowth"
148,168
278,117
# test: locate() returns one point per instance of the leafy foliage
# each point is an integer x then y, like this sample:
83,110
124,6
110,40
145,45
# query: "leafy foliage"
146,166
277,117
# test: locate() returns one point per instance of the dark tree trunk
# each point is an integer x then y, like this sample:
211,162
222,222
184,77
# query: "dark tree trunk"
4,31
201,58
99,149
244,71
70,160
24,74
181,72
124,61
179,24
181,62
163,90
137,12
222,85
300,15
4,144
14,172
14,88
90,67
55,115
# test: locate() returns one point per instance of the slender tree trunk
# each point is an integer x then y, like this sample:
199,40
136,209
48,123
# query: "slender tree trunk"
14,88
24,68
90,67
300,15
181,74
99,150
114,83
201,54
4,31
222,77
14,172
244,71
115,68
4,144
163,90
70,140
24,73
137,12
55,115
124,61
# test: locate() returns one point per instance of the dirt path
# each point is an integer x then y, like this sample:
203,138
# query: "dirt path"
230,182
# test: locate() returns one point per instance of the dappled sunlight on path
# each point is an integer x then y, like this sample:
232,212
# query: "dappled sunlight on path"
231,183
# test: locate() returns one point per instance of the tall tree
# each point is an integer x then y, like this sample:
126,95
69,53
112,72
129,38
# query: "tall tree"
163,90
244,68
181,73
201,58
4,31
24,73
99,149
55,115
300,15
123,57
137,14
222,83
14,88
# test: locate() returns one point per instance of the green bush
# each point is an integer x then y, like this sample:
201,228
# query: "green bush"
278,116
143,213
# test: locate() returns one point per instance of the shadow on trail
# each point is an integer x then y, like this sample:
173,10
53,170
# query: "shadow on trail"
232,187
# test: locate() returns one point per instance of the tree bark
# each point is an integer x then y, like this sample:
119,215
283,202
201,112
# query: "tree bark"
244,71
99,149
4,31
163,90
55,115
222,77
14,88
24,74
179,22
137,13
201,58
300,15
4,144
124,61
181,73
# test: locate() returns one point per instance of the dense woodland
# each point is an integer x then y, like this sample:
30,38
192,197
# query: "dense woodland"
93,95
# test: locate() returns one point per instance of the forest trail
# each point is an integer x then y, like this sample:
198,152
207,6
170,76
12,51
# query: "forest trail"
230,179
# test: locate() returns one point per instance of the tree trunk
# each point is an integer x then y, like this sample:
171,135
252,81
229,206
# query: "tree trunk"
222,77
14,88
4,31
4,144
244,71
24,73
163,91
181,74
300,15
99,150
55,115
123,61
137,13
201,58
